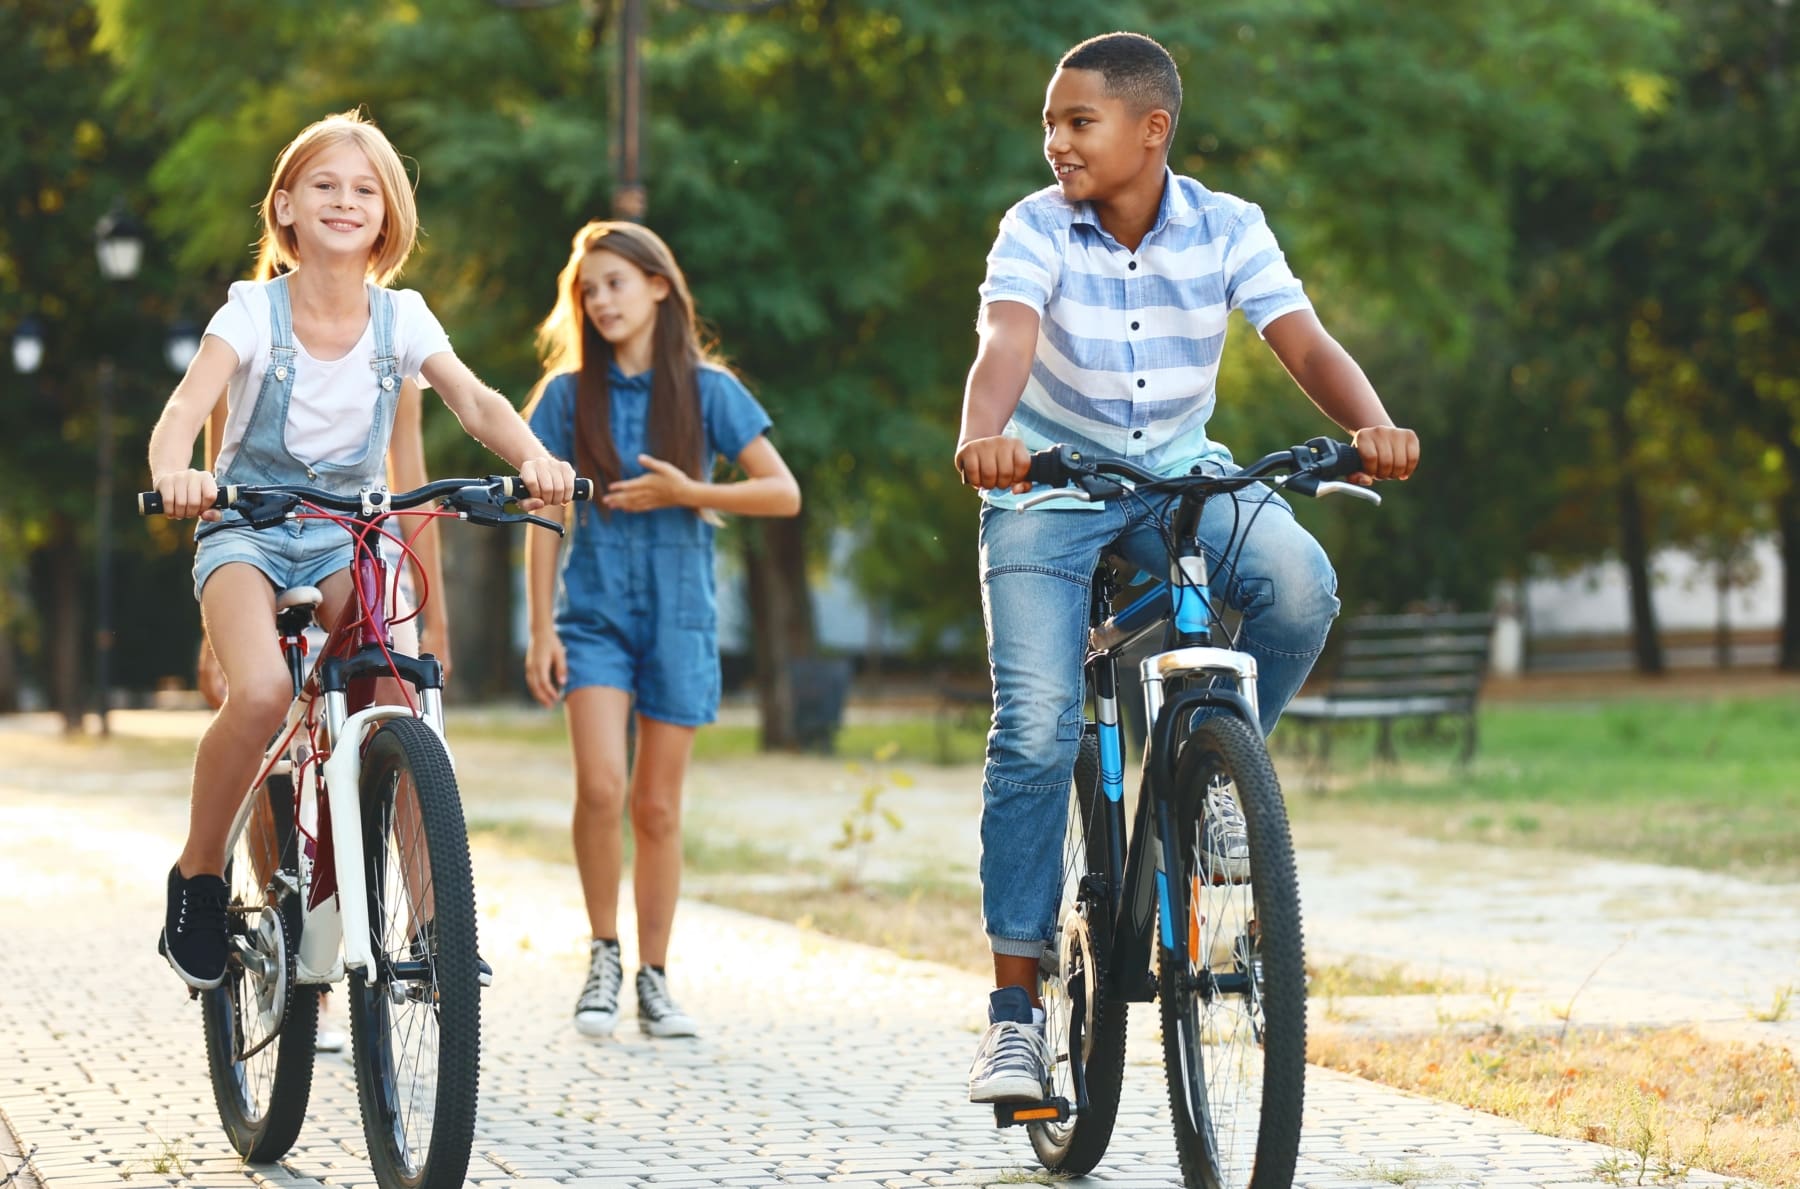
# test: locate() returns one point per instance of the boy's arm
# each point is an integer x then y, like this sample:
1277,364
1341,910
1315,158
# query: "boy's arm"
1008,334
490,419
1334,382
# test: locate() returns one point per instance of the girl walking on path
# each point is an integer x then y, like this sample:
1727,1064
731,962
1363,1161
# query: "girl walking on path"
311,361
633,399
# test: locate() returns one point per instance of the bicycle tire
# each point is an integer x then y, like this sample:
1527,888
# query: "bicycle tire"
1074,1147
262,1097
1234,1022
415,1018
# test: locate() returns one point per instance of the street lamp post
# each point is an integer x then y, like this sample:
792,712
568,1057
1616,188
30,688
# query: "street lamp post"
630,199
119,247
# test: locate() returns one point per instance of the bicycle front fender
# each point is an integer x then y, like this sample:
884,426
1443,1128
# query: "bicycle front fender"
343,792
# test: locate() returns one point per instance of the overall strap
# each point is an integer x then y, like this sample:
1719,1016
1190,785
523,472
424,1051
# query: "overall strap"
281,320
381,313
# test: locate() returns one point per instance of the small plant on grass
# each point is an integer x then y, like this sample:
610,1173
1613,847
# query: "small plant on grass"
862,824
1777,1011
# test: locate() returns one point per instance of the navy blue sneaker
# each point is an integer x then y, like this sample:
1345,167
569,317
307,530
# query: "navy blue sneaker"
1012,1062
194,938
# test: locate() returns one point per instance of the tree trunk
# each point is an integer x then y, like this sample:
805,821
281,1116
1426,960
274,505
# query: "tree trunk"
1634,550
57,581
481,611
1787,519
781,621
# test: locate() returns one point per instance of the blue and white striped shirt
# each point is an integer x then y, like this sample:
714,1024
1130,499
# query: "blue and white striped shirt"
1129,342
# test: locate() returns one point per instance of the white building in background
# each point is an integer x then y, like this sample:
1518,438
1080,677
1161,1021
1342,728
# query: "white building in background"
1594,603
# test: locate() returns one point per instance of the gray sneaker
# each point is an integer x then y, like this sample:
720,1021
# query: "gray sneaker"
1012,1062
658,1013
597,1011
1226,853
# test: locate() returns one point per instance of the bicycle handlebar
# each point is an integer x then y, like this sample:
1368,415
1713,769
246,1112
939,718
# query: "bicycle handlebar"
506,487
1321,459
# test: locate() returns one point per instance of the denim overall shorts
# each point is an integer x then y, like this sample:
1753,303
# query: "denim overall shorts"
300,552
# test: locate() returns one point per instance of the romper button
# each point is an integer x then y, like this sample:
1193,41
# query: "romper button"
387,383
281,373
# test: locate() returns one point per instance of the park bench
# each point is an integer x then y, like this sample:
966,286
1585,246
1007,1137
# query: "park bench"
1386,667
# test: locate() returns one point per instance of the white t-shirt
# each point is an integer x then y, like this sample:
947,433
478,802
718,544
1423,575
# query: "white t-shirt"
334,400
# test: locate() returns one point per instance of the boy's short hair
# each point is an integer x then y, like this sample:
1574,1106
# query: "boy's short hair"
1136,68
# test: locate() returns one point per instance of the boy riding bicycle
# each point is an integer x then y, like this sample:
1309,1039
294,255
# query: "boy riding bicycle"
1102,323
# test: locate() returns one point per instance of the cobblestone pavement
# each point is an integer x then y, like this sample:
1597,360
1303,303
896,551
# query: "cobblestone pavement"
821,1061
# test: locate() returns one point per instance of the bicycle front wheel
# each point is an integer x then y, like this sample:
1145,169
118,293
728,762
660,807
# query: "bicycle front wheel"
1085,1028
1234,1011
259,1026
415,1018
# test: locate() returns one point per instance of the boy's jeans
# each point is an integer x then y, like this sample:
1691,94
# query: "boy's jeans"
1036,569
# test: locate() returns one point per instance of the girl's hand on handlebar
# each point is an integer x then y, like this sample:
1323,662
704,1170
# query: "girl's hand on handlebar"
186,494
546,667
549,480
1388,452
994,462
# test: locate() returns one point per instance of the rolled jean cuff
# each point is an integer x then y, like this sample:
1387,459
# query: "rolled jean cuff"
1012,947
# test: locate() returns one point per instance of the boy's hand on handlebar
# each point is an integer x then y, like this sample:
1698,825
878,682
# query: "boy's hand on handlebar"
994,462
549,480
186,494
1388,452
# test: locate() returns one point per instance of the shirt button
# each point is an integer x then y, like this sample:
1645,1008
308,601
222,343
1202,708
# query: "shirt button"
1137,433
1134,326
1140,383
1132,265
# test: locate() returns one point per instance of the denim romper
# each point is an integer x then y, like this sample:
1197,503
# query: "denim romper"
636,608
300,552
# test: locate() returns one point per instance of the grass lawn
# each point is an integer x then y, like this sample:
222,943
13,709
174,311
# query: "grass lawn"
1707,783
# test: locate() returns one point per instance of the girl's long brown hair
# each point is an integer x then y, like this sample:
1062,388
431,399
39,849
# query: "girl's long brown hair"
567,341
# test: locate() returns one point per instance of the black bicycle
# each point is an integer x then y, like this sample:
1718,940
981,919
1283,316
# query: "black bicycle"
1197,905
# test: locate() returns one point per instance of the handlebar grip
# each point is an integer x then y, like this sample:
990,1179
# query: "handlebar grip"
150,503
1336,460
513,488
1047,466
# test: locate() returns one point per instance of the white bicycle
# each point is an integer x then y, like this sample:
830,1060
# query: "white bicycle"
349,856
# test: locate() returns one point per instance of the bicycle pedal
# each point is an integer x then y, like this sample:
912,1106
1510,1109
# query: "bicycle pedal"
1012,1114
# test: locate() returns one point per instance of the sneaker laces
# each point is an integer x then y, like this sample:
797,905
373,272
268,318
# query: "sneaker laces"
1018,1046
202,910
1227,831
654,997
601,991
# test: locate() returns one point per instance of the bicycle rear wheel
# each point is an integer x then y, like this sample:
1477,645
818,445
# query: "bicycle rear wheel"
1086,1029
259,1026
1234,1013
416,1017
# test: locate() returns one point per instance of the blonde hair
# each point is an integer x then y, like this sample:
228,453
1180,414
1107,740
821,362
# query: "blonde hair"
568,342
279,249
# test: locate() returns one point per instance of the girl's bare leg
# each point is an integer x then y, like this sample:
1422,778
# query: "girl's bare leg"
597,718
656,779
238,607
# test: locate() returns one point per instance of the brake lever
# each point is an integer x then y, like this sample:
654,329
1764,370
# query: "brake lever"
265,509
1355,490
1054,493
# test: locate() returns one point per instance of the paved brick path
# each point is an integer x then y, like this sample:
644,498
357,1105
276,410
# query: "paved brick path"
822,1061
